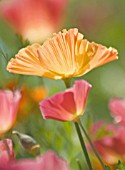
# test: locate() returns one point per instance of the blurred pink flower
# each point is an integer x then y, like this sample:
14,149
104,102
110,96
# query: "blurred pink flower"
117,108
9,102
35,20
68,105
6,151
109,140
49,161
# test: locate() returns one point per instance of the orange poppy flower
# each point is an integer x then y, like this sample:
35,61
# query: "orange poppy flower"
66,55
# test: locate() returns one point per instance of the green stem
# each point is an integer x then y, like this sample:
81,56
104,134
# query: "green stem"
83,145
79,165
67,82
92,145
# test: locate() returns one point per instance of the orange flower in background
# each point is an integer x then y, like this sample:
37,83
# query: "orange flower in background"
97,166
30,99
9,103
11,84
35,20
38,93
30,96
68,105
66,55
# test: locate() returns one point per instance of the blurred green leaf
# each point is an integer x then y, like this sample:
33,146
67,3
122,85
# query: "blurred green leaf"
120,166
107,168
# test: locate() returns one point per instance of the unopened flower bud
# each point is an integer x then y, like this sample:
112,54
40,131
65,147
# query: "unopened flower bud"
28,143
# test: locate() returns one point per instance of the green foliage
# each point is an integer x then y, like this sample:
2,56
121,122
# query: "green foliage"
120,166
106,27
107,168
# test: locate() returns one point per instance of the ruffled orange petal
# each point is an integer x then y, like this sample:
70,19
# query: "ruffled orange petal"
28,62
94,55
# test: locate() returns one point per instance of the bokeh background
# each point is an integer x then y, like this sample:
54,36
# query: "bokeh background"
101,21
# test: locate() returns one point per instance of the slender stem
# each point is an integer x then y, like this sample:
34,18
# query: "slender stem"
83,145
67,82
79,165
92,145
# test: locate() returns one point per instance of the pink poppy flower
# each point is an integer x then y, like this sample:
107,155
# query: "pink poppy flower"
6,151
9,102
109,140
117,108
49,161
35,20
68,105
